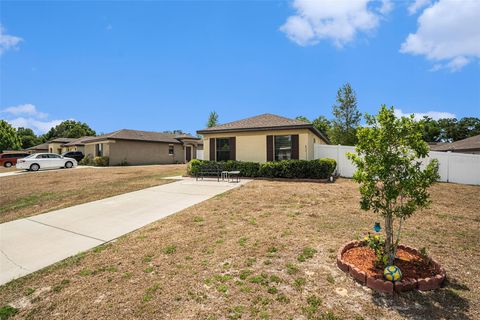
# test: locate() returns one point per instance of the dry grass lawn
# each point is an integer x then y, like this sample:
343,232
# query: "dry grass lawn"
38,192
11,169
263,251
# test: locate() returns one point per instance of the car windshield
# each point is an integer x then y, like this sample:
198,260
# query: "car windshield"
30,156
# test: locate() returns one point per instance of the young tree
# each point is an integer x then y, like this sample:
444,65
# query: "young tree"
212,119
392,182
347,117
8,137
27,137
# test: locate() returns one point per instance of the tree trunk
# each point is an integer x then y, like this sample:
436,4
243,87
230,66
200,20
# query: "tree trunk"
389,239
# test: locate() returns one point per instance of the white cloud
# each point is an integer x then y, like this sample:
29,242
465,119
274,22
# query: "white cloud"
25,109
8,42
447,34
336,20
27,116
417,5
38,126
419,115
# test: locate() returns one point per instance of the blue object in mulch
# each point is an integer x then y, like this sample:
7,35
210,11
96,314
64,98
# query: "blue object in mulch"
377,227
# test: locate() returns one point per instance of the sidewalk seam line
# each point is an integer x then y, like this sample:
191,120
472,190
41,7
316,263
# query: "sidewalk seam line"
66,230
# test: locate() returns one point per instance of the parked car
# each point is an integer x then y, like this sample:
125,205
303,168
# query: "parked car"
77,155
10,159
39,161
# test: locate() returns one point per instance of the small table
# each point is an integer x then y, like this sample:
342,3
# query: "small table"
224,175
233,174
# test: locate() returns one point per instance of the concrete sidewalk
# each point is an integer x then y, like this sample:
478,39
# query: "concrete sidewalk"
30,244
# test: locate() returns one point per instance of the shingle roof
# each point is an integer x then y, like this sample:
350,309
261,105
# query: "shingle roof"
62,140
472,143
43,146
126,134
265,121
79,142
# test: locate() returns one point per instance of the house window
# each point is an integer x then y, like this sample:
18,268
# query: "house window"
171,150
99,149
283,148
223,149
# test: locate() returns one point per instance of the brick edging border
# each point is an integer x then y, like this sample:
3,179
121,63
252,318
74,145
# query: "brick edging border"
424,284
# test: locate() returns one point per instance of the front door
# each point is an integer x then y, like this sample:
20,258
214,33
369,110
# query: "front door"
188,154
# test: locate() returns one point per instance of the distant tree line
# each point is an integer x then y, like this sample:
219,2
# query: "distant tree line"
23,138
342,129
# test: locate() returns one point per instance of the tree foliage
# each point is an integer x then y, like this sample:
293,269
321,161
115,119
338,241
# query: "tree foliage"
392,181
302,118
69,129
212,119
8,137
450,129
323,125
346,117
27,137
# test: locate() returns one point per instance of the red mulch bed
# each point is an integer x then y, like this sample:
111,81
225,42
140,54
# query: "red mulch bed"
412,265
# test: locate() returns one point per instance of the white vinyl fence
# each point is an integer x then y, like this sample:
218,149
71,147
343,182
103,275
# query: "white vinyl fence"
453,167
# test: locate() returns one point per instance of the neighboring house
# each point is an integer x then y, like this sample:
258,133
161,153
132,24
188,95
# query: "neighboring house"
142,147
262,138
76,144
56,145
41,148
468,145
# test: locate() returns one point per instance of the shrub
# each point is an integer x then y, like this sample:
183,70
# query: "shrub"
86,161
124,162
299,169
101,161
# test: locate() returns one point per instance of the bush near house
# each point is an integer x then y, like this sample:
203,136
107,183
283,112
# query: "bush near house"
97,161
296,169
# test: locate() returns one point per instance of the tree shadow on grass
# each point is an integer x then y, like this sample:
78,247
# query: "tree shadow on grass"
444,303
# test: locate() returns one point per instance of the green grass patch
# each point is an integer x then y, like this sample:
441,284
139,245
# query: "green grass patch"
292,268
171,249
7,311
307,253
150,292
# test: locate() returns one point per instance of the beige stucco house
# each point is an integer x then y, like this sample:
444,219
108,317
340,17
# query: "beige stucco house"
262,138
142,147
57,145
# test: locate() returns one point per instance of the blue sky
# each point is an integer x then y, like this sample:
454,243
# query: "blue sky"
165,65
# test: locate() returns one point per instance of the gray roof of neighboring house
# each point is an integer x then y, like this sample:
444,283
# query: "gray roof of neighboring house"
265,121
472,143
79,142
62,140
137,135
42,146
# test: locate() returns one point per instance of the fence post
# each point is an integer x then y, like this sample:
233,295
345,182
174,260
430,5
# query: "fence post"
338,160
448,165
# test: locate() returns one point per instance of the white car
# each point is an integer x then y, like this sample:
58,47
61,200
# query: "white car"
39,161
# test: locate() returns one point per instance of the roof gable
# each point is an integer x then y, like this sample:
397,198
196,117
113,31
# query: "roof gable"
265,121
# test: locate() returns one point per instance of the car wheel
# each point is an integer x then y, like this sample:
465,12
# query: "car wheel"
34,167
7,164
68,164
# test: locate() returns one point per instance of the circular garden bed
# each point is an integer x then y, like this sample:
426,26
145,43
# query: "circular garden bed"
419,272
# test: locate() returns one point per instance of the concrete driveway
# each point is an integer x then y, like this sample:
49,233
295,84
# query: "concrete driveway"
30,244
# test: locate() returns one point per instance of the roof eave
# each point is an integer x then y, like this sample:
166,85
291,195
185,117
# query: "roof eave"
305,126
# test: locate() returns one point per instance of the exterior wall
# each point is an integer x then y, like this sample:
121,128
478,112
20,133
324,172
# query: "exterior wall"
139,152
54,147
252,145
